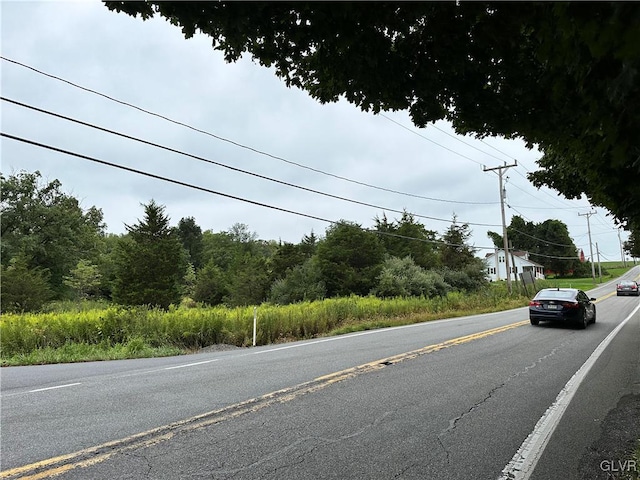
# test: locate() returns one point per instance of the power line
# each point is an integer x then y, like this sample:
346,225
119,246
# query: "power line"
159,177
217,137
297,164
196,157
469,158
207,190
439,144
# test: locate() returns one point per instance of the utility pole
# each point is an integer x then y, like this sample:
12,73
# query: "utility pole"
505,240
593,268
624,261
599,265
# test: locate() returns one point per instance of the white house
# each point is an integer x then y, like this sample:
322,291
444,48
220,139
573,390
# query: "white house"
518,262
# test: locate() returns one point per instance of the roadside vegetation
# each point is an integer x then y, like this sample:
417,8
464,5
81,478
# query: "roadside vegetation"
115,332
70,292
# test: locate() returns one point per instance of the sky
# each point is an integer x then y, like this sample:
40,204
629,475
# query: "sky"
269,157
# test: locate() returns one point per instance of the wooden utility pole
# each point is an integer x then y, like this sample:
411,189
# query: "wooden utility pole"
593,268
505,240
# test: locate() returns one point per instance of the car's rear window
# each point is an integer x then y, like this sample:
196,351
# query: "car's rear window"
562,294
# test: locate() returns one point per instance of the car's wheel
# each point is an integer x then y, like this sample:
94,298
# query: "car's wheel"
534,322
583,322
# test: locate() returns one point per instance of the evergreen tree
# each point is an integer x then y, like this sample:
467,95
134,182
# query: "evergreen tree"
23,289
455,254
287,257
190,235
151,262
211,285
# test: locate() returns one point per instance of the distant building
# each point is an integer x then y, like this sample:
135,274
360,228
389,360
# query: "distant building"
518,262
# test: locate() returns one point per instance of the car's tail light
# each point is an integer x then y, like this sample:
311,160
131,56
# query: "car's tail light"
571,305
534,303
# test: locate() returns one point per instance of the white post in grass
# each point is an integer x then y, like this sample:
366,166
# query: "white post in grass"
255,323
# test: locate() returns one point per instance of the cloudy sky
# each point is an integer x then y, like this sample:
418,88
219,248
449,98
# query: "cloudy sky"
143,79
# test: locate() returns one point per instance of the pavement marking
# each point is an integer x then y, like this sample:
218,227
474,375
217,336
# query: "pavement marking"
53,388
524,461
191,364
90,456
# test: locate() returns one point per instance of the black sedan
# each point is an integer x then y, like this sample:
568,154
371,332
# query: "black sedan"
562,305
627,287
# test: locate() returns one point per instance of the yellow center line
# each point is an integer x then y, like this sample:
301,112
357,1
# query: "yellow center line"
90,456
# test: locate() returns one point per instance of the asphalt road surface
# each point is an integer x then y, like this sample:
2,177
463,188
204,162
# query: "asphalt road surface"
481,397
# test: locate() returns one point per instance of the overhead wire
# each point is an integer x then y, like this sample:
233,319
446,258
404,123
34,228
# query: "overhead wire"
413,131
196,157
214,192
237,144
95,92
304,166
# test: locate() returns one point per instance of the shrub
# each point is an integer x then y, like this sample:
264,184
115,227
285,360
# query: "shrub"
401,277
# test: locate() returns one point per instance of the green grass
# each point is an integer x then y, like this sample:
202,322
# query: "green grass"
70,333
83,352
611,271
85,331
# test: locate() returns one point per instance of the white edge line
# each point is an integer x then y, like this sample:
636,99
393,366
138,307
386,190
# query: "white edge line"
190,364
53,388
376,331
524,461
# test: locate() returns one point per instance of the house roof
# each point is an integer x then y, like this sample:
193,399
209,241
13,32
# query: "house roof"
522,255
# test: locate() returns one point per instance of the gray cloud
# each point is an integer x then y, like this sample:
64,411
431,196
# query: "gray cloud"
150,65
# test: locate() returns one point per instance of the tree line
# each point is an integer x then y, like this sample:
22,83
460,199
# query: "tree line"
54,250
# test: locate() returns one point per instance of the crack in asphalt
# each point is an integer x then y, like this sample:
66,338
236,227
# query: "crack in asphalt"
453,423
320,441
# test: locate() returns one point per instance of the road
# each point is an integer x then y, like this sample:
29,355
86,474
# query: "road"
449,399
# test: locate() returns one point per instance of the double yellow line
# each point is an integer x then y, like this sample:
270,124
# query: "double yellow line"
91,456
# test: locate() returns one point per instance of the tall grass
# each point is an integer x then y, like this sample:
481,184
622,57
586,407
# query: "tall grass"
115,327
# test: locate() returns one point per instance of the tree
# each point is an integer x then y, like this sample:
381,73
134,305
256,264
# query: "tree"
218,248
247,281
211,285
301,283
350,259
309,244
455,254
84,280
401,277
407,237
561,75
632,245
287,257
190,235
151,262
46,227
23,289
547,242
561,255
